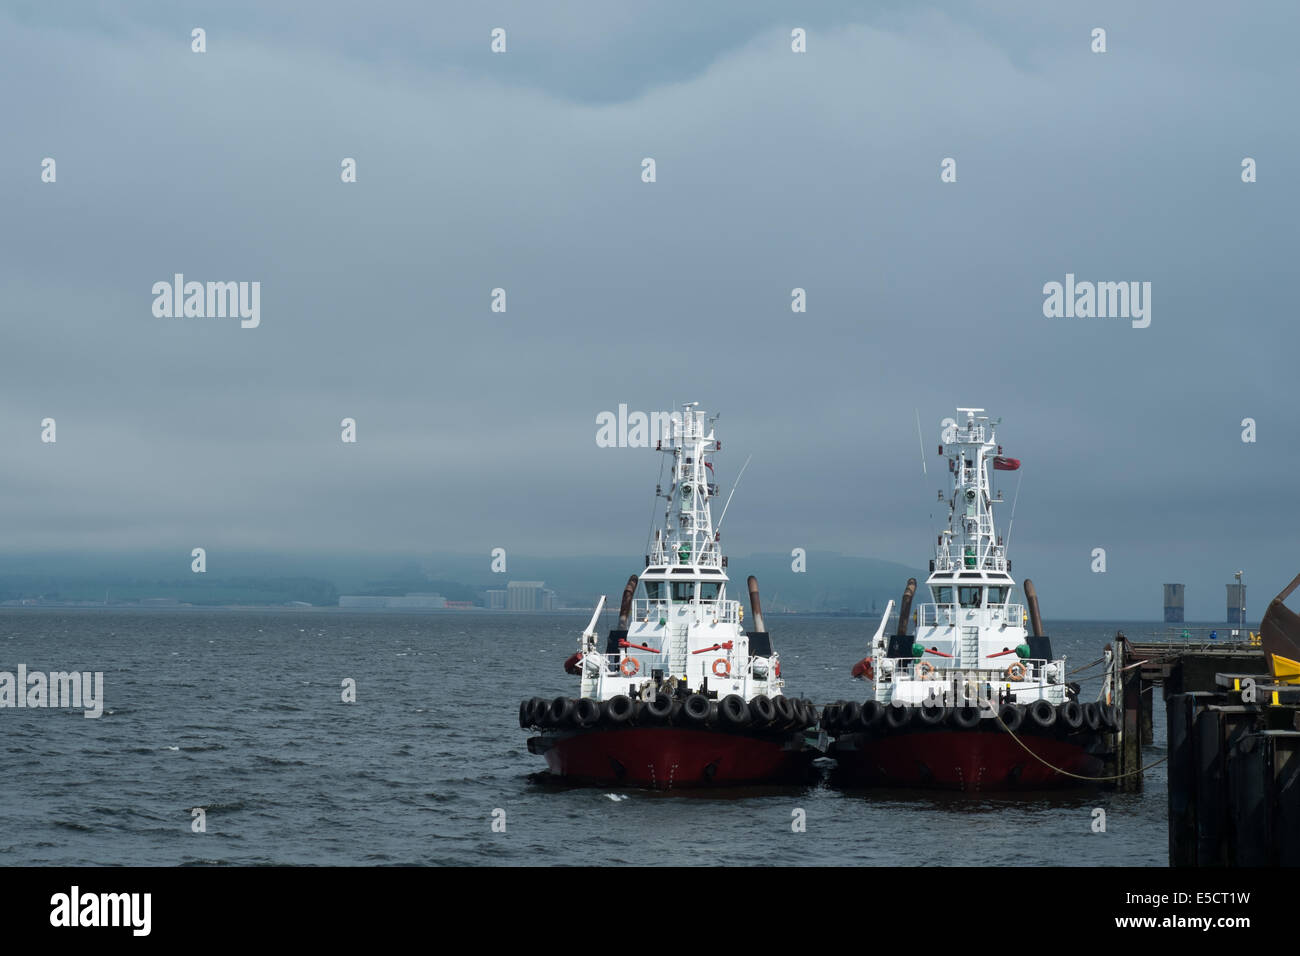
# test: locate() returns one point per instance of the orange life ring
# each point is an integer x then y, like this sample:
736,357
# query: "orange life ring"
926,670
726,667
1016,671
628,671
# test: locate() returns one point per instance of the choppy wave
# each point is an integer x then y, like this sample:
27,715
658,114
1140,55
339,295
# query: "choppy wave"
250,727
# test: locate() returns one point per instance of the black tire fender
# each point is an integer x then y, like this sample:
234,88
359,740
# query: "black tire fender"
1111,716
618,710
1013,715
561,711
1070,714
1042,714
1092,715
965,718
586,713
696,709
850,715
732,711
898,716
872,713
931,715
658,709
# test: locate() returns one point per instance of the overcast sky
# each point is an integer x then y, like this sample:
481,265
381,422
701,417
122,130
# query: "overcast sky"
775,170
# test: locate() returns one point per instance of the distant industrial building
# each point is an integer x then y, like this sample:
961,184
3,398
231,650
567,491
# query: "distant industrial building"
1174,594
408,602
421,601
1237,604
496,599
529,596
363,600
524,595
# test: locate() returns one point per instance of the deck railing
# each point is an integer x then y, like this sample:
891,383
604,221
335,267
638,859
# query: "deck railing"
707,557
650,610
947,615
647,662
967,683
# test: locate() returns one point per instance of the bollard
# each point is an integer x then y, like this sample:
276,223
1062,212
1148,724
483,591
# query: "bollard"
1216,731
1248,789
1131,730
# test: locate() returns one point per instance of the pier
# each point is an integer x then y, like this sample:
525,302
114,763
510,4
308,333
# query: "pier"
1190,663
1187,664
1234,774
1233,710
1234,747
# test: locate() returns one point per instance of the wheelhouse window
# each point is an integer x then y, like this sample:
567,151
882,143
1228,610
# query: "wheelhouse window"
709,590
683,591
998,595
969,596
654,590
942,594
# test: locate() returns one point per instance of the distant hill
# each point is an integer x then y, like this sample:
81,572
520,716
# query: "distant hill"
832,582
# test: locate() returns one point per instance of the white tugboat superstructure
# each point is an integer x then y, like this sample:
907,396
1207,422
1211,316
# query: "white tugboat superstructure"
970,640
680,694
967,697
681,626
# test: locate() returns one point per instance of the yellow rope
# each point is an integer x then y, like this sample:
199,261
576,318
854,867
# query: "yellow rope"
1066,773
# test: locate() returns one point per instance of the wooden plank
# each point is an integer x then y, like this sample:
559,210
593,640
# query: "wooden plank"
1130,742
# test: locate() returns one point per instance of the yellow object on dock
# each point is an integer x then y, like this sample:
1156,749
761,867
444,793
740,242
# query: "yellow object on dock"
1279,633
1285,670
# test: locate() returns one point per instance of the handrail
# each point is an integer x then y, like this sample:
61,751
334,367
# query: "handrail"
908,665
707,557
935,614
611,663
958,681
649,609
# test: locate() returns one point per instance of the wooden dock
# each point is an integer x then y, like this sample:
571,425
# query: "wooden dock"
1234,774
1234,747
1187,666
1177,667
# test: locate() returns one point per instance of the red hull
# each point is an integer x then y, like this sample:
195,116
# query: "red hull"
962,760
666,757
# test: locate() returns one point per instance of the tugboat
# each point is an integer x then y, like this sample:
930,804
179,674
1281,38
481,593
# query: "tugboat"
680,695
970,700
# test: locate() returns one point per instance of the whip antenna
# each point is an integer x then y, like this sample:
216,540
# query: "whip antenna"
1012,523
733,491
921,443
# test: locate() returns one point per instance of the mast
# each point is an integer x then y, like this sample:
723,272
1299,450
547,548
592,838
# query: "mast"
687,537
971,542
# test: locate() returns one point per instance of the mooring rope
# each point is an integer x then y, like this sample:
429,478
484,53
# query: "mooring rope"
1084,680
1100,660
1066,773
